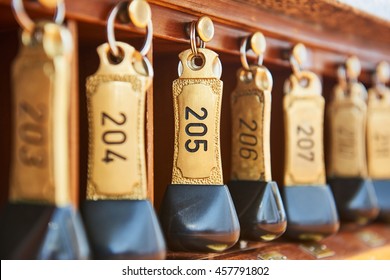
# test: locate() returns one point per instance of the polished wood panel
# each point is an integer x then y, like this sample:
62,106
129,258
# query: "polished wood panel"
348,244
331,31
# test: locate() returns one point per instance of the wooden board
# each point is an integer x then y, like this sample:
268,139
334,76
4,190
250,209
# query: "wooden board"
347,244
283,24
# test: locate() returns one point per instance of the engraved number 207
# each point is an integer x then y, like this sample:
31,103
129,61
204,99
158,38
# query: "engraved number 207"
195,130
305,142
113,137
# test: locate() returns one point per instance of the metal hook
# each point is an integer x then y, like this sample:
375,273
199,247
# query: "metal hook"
202,31
348,78
352,68
258,46
382,74
111,33
25,21
298,58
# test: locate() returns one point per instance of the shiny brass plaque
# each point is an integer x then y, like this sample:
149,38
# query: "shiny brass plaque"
348,127
41,90
304,117
378,134
197,98
116,108
251,116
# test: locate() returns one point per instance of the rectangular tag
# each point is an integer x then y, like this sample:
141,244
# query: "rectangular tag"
348,124
40,165
116,115
304,117
251,109
378,140
197,108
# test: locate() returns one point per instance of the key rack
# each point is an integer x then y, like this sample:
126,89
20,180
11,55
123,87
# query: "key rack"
331,31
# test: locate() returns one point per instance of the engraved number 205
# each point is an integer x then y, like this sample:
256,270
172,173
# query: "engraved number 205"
195,130
113,137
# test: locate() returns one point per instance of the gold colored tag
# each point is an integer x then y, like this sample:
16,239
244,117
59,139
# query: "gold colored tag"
197,96
304,117
116,106
251,116
348,126
378,133
41,90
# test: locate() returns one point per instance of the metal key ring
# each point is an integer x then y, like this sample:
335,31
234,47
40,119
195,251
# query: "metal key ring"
25,21
296,67
111,33
243,54
193,39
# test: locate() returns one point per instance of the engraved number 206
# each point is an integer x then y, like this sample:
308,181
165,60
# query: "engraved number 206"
195,129
248,140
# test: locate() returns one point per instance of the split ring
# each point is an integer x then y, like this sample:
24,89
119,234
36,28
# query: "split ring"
193,39
111,33
26,22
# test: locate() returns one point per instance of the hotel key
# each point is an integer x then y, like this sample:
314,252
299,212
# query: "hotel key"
309,203
197,213
347,173
40,221
256,197
378,138
120,220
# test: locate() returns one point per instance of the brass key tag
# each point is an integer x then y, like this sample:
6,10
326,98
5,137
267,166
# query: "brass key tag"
118,215
348,112
378,126
378,138
116,105
256,197
197,212
251,113
41,221
310,206
303,107
353,191
41,90
197,96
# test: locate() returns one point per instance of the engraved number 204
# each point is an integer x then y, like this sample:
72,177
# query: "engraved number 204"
195,130
113,137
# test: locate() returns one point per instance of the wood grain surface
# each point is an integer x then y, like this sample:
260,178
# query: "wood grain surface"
347,244
332,31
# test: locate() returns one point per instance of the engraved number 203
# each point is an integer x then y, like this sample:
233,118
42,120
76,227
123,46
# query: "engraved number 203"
195,130
113,137
305,142
32,133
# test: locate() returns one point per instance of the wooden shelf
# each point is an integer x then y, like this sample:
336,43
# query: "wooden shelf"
332,31
366,243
